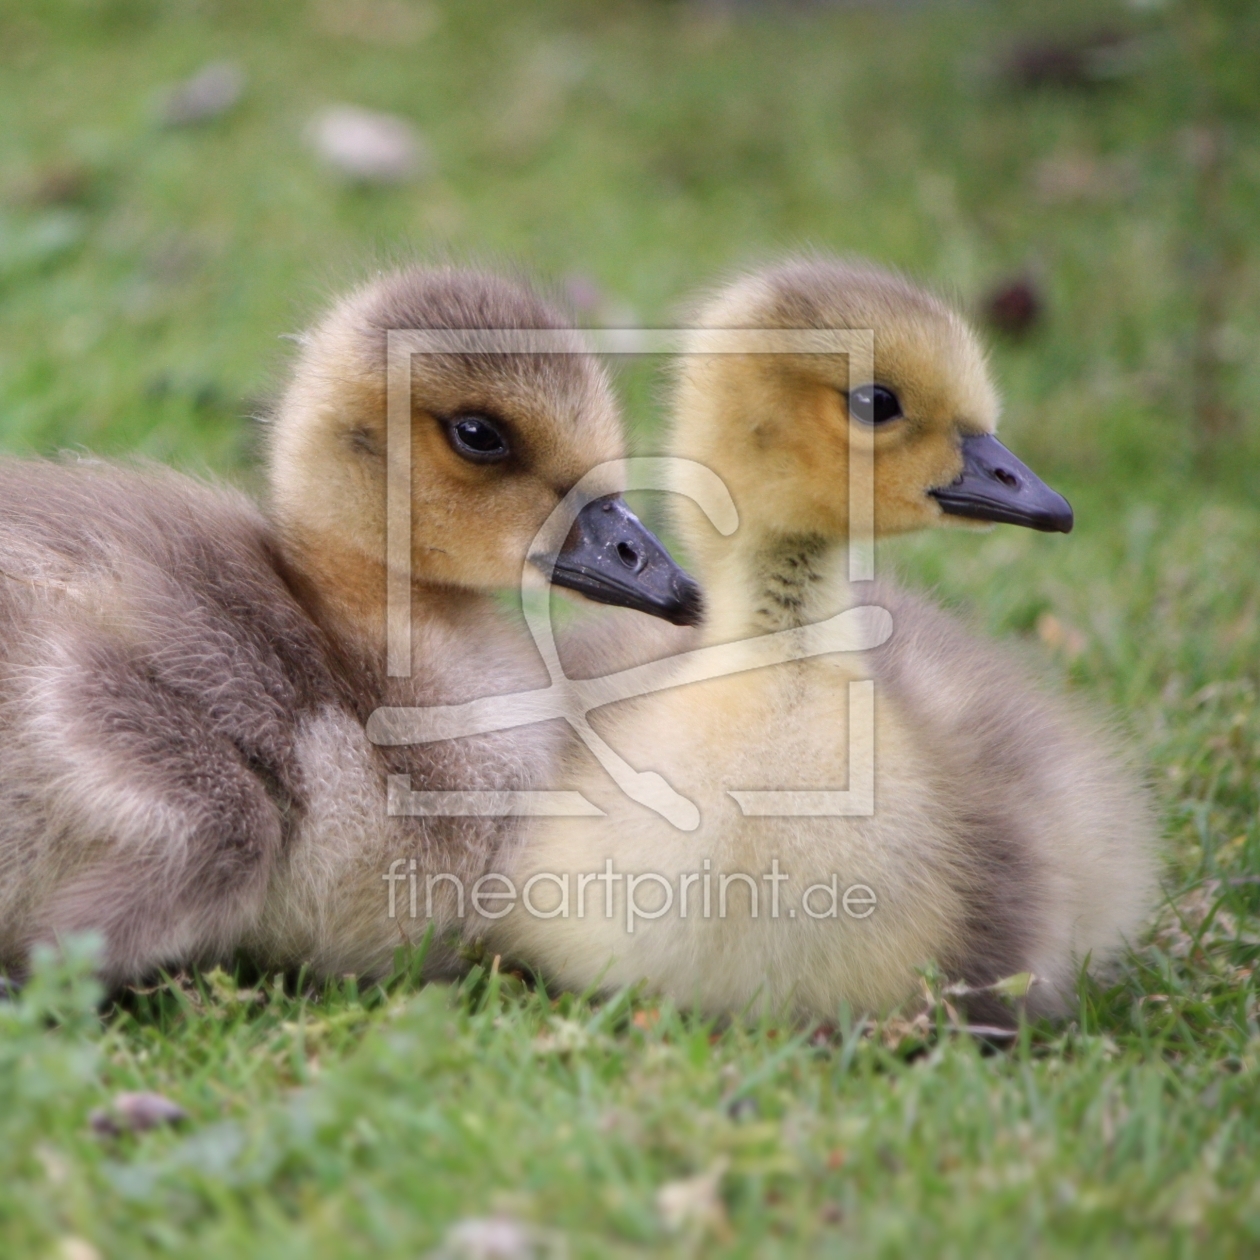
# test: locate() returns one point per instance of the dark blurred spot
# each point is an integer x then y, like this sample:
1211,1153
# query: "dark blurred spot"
1074,61
203,395
1014,307
824,1037
207,396
58,184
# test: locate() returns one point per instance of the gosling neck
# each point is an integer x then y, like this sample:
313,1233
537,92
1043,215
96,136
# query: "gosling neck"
777,582
345,592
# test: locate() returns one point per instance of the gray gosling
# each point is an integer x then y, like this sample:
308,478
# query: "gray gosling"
1007,836
184,679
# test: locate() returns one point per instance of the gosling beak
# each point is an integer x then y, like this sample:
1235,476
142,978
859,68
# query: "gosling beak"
611,557
995,486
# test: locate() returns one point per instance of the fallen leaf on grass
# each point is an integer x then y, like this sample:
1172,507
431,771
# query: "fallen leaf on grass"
1060,636
694,1203
896,1030
77,1249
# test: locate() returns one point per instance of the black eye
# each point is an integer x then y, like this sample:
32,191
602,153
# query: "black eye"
478,439
874,404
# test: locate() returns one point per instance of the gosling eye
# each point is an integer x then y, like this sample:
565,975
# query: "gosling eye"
874,404
477,439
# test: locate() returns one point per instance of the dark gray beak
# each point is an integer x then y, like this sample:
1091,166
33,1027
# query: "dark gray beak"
611,557
995,486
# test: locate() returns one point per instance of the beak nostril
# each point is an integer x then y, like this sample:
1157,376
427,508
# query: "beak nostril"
994,486
628,555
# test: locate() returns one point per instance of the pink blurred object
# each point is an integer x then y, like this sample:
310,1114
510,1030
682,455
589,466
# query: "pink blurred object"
366,146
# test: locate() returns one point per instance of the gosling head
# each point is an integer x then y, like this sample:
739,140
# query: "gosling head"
777,427
496,441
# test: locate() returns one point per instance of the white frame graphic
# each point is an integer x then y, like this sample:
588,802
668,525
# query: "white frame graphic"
857,629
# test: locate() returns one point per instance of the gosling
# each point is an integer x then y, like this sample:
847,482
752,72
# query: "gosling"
1004,836
184,677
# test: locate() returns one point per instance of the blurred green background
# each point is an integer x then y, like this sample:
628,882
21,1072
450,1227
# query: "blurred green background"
1083,179
1104,153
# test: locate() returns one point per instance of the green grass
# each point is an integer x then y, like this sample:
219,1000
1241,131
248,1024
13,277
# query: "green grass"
648,146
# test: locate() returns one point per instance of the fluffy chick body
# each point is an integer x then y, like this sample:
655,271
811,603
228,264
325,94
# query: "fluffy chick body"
184,679
1006,836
